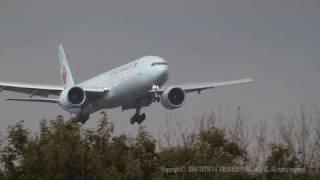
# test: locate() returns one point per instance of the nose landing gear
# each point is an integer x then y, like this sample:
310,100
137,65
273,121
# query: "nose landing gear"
156,97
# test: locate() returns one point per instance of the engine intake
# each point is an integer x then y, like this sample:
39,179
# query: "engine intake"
173,97
73,97
76,96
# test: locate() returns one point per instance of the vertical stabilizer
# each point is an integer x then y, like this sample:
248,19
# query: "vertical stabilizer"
65,73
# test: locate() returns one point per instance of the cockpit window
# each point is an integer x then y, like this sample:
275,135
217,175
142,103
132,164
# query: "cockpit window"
159,63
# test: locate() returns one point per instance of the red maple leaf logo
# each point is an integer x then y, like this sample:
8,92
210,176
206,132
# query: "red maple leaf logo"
64,76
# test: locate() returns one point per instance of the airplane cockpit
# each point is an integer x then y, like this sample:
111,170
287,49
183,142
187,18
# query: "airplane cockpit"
159,63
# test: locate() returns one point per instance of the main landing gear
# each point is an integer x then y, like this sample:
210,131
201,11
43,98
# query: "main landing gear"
137,117
82,118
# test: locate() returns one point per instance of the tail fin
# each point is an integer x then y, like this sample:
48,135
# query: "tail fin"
65,73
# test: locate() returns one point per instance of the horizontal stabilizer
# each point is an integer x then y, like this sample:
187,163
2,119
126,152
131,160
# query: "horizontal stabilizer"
46,100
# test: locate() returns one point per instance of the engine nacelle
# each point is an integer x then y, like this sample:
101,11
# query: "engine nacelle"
173,97
73,97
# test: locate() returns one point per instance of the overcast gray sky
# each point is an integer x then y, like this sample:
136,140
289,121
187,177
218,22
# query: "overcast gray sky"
277,42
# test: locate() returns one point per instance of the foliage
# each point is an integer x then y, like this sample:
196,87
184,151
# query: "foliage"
209,148
281,157
65,150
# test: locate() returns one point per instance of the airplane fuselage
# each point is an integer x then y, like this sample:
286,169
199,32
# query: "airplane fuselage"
127,84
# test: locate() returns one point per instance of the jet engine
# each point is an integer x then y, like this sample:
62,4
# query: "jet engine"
73,97
172,97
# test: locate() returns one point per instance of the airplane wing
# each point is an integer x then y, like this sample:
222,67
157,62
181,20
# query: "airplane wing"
198,87
44,90
32,89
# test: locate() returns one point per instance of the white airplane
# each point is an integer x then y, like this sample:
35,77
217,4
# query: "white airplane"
131,86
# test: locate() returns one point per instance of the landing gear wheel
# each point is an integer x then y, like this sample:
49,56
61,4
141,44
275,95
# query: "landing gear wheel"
137,118
142,117
82,118
134,119
156,98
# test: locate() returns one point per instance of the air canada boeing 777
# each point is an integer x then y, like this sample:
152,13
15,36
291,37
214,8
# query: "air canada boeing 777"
132,86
